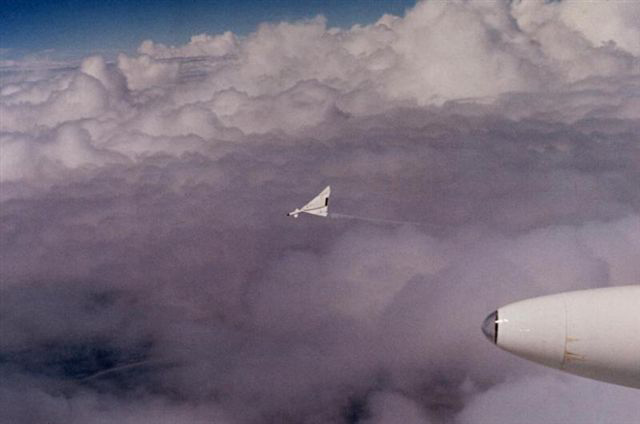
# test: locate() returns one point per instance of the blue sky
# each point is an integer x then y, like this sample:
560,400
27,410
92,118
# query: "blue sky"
76,27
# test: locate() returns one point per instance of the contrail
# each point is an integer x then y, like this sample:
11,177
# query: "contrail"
132,365
319,206
378,220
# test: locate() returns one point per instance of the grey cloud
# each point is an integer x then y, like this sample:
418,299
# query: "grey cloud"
556,400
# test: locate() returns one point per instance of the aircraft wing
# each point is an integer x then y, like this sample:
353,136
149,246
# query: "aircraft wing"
319,205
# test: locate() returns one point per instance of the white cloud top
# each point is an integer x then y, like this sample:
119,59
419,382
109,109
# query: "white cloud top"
291,76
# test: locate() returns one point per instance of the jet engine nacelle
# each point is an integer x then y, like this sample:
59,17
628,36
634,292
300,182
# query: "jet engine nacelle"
593,333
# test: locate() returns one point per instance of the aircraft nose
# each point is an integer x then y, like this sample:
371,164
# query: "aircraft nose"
490,327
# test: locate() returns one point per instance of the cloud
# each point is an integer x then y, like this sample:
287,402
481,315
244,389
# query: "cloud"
603,24
149,273
202,45
557,400
388,408
145,72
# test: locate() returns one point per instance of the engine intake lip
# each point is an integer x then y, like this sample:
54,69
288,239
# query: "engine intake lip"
490,327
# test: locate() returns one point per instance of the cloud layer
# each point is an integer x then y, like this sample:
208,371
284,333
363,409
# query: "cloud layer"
149,273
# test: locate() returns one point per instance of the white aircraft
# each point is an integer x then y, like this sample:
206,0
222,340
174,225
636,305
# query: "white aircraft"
593,333
319,205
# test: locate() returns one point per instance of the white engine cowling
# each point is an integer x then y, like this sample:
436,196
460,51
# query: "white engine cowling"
593,333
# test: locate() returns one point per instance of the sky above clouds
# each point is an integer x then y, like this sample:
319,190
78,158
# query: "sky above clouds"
77,27
148,273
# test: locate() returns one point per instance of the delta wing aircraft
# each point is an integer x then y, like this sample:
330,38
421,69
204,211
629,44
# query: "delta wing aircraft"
318,206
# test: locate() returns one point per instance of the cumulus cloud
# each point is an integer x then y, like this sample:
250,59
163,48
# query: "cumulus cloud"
145,72
148,273
604,24
202,45
389,408
557,400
